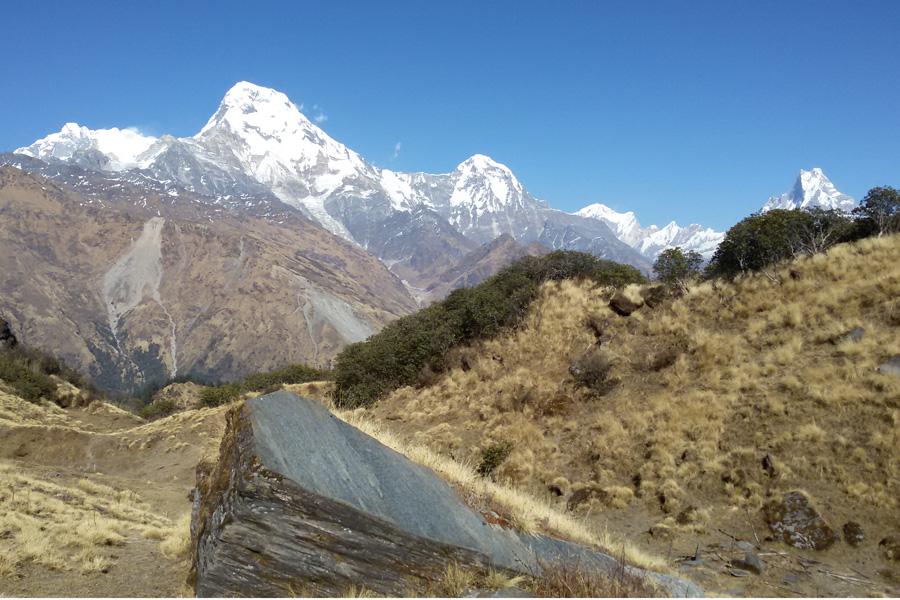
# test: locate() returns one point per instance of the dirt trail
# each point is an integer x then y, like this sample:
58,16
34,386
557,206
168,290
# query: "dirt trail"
69,462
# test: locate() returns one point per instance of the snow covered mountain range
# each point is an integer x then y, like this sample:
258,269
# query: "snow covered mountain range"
258,145
812,189
652,240
258,142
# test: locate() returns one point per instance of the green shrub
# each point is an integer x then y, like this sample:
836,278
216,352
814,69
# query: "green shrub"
420,343
28,370
25,377
273,379
492,457
159,408
676,268
217,395
880,209
220,394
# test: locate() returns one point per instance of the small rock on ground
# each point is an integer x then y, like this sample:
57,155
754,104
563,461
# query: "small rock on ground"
891,366
623,305
891,547
750,563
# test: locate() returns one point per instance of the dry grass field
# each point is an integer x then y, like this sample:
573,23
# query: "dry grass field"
706,406
94,501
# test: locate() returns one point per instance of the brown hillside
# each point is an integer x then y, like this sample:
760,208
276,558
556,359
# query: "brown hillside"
143,287
712,404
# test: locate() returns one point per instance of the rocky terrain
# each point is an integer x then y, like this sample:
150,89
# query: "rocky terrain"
132,288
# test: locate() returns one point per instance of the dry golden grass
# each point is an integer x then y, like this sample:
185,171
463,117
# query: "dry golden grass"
524,511
72,527
571,581
455,581
177,541
76,524
710,387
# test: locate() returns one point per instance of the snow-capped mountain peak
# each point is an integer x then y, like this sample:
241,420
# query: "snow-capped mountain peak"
485,185
625,225
812,189
264,134
269,110
652,240
273,135
110,149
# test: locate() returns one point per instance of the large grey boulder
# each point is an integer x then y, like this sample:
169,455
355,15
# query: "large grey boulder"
302,503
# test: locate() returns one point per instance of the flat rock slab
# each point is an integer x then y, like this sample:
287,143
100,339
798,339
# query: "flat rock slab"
300,503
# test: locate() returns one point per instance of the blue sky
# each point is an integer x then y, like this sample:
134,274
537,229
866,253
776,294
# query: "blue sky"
695,111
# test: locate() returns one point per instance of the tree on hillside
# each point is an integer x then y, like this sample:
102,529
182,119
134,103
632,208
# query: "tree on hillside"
763,239
882,206
758,241
676,268
821,230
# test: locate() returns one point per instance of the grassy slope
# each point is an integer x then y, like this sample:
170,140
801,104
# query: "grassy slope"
93,501
754,374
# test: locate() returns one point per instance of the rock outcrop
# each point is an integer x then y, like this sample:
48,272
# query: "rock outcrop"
798,522
623,305
302,503
7,337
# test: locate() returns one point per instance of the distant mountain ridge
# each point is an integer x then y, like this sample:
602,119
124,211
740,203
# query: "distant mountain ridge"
259,152
651,241
812,189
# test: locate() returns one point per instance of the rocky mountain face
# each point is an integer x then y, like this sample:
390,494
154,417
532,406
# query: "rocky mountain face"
258,144
133,286
651,241
479,264
812,189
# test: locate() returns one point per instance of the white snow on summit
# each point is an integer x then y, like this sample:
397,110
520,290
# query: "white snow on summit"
485,185
651,241
812,189
624,225
123,148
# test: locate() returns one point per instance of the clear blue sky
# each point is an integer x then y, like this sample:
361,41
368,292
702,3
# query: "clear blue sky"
691,110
